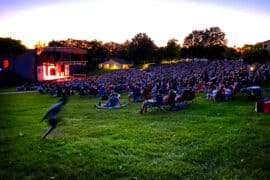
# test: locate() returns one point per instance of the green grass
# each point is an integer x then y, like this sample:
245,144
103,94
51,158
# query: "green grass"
8,89
207,140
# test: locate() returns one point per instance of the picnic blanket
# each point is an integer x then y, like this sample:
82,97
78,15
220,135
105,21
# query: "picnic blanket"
105,106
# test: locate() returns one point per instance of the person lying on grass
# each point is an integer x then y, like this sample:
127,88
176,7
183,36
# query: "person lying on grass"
51,115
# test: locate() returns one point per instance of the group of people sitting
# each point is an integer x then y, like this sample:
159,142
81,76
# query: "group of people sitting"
113,101
172,101
220,93
221,80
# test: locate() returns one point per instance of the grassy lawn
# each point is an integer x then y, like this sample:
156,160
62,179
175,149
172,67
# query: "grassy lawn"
8,89
207,140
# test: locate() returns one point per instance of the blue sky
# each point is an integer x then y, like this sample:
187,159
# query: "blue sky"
244,22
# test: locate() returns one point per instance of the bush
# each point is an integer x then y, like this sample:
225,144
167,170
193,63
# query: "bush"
256,55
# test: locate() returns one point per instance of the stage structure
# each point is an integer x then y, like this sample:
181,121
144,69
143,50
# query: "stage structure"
59,62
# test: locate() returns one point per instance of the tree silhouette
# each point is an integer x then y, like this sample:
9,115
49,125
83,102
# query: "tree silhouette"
205,38
256,55
141,49
208,43
172,49
11,47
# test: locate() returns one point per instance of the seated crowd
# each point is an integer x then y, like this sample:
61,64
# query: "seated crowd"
172,101
220,80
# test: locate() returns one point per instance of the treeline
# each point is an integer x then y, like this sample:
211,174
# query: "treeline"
139,50
208,43
11,47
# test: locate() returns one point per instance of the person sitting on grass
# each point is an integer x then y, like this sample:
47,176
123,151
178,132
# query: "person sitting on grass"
113,101
220,95
188,95
136,93
157,102
51,115
171,100
146,92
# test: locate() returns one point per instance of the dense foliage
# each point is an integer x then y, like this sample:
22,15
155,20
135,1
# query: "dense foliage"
256,54
232,54
205,38
141,49
208,43
11,47
172,49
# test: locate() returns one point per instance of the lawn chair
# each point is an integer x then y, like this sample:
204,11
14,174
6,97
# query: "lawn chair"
153,104
188,95
159,104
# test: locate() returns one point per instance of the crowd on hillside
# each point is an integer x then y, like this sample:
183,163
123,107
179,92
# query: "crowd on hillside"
224,78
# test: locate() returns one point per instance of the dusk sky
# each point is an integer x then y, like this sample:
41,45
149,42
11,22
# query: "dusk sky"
243,21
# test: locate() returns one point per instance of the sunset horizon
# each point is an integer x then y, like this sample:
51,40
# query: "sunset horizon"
244,22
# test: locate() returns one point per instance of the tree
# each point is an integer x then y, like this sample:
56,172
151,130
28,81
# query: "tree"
232,54
83,44
256,55
55,43
214,52
141,49
246,48
112,48
159,54
117,50
195,38
215,37
11,47
205,38
122,50
172,49
96,53
96,50
208,43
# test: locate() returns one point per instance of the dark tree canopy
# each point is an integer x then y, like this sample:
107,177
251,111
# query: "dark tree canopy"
141,49
84,44
122,50
256,55
10,46
159,54
112,48
96,50
173,49
232,54
205,38
208,43
118,50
